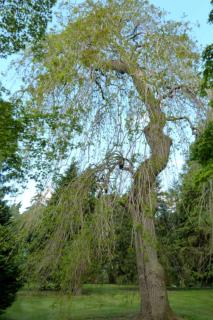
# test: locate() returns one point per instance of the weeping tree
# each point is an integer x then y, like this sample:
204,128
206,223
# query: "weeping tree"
118,86
80,234
69,235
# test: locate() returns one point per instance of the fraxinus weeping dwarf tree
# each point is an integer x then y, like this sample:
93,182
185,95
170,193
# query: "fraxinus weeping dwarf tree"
118,77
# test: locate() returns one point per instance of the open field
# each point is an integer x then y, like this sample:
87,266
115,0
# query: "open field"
104,302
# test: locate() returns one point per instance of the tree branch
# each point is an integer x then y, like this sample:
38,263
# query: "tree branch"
118,66
171,92
194,129
100,88
188,91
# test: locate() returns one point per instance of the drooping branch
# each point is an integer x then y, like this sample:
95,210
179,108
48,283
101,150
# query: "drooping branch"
194,129
113,160
117,65
135,33
172,91
100,88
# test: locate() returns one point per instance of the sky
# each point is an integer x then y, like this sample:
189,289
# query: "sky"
195,11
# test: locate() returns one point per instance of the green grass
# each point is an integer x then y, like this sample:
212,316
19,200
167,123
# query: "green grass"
104,302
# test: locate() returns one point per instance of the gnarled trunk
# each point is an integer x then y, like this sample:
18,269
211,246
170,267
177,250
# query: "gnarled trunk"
154,299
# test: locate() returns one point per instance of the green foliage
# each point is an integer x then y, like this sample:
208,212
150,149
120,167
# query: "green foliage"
74,228
184,226
208,62
211,14
22,22
208,68
63,182
10,166
184,231
202,149
75,91
9,264
10,128
61,234
122,268
4,212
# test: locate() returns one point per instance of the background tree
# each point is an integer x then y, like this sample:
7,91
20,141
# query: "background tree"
9,261
11,128
207,84
54,271
189,212
120,70
10,168
121,268
22,23
55,233
186,210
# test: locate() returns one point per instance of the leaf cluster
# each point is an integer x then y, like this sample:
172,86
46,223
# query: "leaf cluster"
9,259
22,23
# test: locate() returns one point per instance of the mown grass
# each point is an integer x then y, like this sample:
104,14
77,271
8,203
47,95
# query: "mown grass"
104,302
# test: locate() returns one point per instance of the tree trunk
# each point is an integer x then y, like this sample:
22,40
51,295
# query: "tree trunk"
154,299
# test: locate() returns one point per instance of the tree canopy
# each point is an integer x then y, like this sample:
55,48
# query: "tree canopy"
208,63
10,131
9,262
87,79
22,23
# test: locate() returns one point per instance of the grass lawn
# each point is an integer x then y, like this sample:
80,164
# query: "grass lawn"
104,302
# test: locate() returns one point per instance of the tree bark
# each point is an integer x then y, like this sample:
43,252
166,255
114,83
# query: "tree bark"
154,299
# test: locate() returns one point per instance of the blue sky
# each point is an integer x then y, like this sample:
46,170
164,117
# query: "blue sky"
195,11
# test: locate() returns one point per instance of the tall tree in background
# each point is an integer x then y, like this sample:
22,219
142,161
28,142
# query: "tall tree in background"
120,70
184,229
10,130
80,208
194,212
192,218
21,23
207,84
57,234
10,168
9,264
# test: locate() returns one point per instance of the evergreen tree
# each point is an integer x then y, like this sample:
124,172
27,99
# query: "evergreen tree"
9,264
184,221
